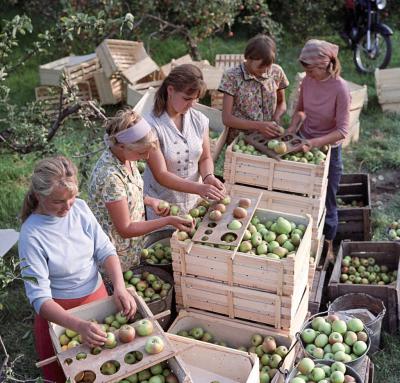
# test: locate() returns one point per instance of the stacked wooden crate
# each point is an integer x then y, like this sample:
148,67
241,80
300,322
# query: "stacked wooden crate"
359,98
387,82
246,286
78,71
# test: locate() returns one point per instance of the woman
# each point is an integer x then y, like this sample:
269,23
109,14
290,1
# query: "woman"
254,91
60,246
116,188
184,156
325,101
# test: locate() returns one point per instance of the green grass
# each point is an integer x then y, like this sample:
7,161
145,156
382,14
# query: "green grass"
376,150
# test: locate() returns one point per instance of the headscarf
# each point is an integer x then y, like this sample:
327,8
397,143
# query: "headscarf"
319,53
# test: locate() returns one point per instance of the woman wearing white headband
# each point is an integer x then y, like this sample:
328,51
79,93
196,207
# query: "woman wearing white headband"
182,168
116,187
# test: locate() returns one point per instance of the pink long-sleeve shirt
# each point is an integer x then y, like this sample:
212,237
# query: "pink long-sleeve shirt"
326,105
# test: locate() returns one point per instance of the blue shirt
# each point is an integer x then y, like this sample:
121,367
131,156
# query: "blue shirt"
63,254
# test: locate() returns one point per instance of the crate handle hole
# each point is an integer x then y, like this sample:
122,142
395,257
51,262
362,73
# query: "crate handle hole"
85,377
110,367
212,224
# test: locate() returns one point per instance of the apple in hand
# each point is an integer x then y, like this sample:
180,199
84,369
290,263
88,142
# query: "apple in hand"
154,345
126,333
111,342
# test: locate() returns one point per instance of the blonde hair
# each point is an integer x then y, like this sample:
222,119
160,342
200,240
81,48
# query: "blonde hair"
49,173
186,78
122,120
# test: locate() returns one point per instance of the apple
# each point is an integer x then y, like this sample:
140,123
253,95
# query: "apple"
108,368
350,338
335,337
144,327
325,328
121,318
72,334
264,377
269,344
354,324
64,340
338,366
337,377
96,350
115,324
338,347
220,207
196,332
174,210
281,351
362,336
318,353
144,375
182,235
81,356
226,200
308,335
154,345
245,203
171,378
109,319
157,379
126,333
265,360
339,326
317,374
215,215
256,340
111,342
130,358
72,344
359,347
305,366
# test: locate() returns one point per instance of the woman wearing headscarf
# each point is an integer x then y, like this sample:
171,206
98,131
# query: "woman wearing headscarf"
324,101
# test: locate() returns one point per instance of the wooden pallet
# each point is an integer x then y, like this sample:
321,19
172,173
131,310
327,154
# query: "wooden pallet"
208,362
50,96
385,253
226,61
129,58
387,84
99,310
284,277
354,222
289,176
233,332
111,91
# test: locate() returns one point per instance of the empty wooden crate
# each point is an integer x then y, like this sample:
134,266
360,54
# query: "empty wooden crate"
387,83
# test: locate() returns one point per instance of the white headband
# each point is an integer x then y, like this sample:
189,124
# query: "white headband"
130,135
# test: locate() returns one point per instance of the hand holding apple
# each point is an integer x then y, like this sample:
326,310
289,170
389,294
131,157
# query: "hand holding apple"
160,207
182,223
212,192
91,333
125,302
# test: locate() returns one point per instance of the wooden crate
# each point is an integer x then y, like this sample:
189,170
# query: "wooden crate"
354,222
50,96
207,362
315,261
129,58
317,235
283,277
226,61
135,92
166,69
216,125
233,332
111,91
242,303
366,370
385,253
99,310
295,177
387,84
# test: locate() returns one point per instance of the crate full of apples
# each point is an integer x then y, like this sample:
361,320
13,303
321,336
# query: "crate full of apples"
131,346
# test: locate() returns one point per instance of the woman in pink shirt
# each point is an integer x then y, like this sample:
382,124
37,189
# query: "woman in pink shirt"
325,102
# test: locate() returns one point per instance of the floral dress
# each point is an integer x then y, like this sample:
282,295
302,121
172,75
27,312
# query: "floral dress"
254,98
110,181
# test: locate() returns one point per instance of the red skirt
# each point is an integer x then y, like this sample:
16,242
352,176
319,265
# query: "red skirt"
44,347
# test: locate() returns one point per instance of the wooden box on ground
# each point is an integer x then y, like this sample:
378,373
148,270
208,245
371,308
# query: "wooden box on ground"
166,69
315,263
354,221
129,58
295,177
283,277
99,310
111,90
233,332
215,125
50,96
366,370
207,362
387,83
135,92
385,253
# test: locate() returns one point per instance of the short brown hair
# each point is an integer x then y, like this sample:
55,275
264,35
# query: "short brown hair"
186,78
261,47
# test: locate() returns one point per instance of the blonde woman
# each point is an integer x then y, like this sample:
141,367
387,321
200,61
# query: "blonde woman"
182,167
61,246
116,187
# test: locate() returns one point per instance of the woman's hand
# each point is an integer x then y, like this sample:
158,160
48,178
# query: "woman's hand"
124,301
158,206
208,191
212,180
269,129
181,224
92,334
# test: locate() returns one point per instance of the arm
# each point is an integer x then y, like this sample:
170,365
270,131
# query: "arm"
126,228
169,180
280,106
268,128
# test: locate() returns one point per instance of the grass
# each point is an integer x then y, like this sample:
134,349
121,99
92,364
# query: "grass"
376,150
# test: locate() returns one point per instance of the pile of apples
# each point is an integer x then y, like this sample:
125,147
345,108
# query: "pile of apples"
394,231
273,239
353,203
315,156
213,135
357,270
157,254
332,338
266,348
309,372
242,147
149,286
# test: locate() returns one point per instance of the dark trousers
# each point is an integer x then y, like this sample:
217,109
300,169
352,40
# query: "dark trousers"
335,172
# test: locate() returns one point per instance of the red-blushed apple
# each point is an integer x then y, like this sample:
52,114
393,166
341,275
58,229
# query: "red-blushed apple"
154,345
126,333
171,378
144,327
